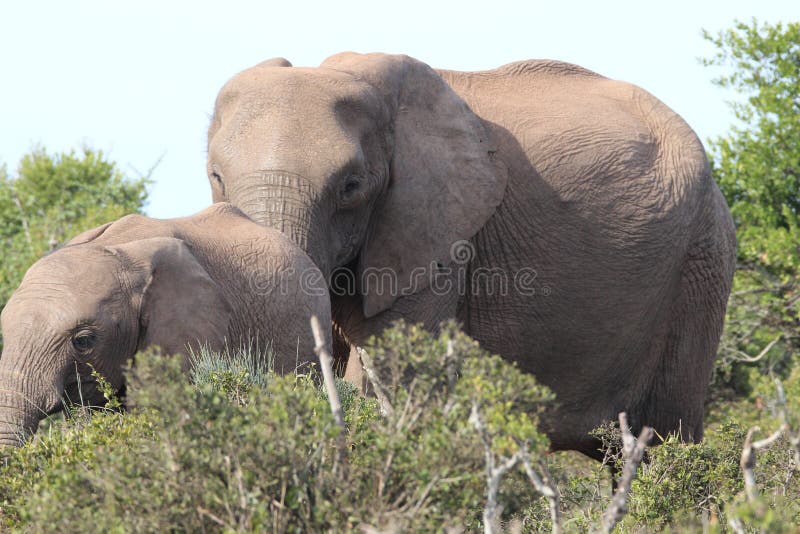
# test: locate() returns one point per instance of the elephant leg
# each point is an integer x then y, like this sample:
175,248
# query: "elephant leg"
677,392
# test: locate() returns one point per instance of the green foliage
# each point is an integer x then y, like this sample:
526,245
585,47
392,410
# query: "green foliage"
239,448
55,197
681,484
757,166
435,452
107,390
62,446
688,480
762,320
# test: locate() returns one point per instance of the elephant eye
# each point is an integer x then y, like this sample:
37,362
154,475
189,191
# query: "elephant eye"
351,186
84,340
350,192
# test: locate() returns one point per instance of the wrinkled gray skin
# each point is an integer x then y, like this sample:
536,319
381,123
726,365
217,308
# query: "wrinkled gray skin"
588,191
215,278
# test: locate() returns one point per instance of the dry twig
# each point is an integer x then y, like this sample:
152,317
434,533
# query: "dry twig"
632,455
748,460
743,357
792,434
326,363
369,368
497,467
544,485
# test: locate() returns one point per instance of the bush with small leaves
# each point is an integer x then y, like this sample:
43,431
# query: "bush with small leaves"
239,448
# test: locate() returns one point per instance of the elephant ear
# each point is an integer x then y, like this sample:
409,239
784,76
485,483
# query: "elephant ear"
88,235
275,62
444,185
180,305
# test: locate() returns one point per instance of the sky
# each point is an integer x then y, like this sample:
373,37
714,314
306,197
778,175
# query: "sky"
138,79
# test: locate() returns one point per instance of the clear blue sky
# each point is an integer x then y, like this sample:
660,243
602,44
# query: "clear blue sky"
138,79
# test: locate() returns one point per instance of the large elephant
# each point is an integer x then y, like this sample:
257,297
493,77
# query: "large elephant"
215,279
568,221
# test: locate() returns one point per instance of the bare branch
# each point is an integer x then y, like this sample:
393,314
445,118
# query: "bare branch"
748,459
742,357
326,362
369,529
207,513
544,485
369,368
493,472
632,453
450,365
736,525
792,434
450,362
766,442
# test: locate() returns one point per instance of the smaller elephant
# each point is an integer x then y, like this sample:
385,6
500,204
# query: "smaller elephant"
215,279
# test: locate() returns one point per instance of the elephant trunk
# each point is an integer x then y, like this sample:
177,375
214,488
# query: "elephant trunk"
22,403
283,201
17,423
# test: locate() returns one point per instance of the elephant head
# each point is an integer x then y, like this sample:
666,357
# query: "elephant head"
369,161
140,283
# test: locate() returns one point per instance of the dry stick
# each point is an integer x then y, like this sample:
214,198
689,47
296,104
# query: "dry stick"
748,460
736,525
495,472
792,434
743,357
632,454
750,447
369,368
326,362
543,484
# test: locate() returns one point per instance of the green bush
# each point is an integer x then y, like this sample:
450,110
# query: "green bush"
47,465
757,166
239,448
682,485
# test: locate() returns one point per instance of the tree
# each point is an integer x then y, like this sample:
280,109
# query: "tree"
757,166
53,198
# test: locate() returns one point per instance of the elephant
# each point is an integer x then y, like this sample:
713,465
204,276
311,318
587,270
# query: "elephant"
215,279
569,222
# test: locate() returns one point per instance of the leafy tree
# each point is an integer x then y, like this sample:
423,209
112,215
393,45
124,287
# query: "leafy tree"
54,197
757,166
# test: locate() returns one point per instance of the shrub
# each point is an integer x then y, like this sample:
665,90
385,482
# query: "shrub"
239,448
